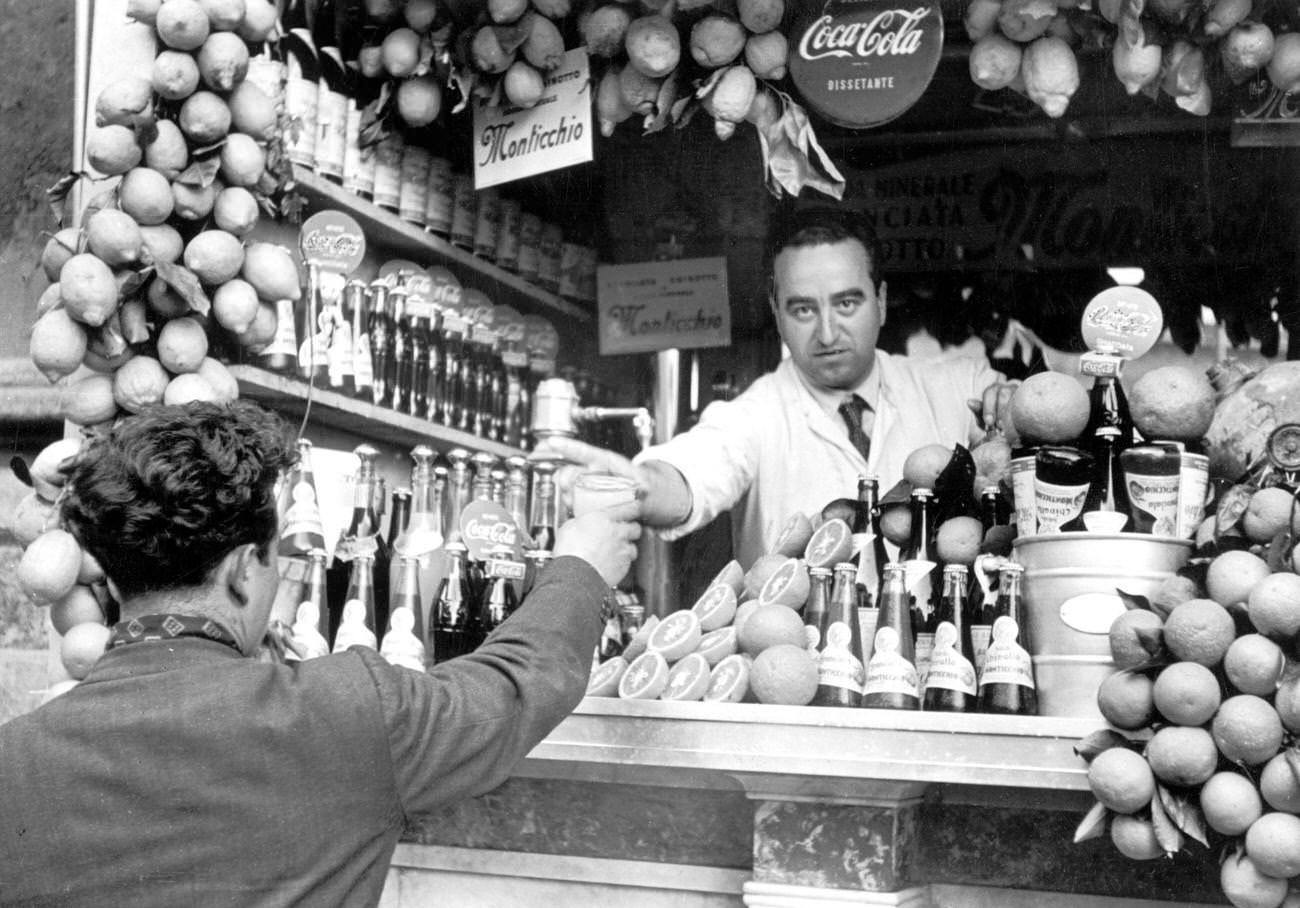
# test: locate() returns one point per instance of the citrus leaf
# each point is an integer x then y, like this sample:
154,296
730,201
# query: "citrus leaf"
1278,555
1184,813
102,200
110,341
130,282
202,173
186,284
1168,835
1152,639
1093,823
1232,505
1133,602
19,468
1104,739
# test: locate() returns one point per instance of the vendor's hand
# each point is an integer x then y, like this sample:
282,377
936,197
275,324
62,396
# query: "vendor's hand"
994,409
605,539
579,457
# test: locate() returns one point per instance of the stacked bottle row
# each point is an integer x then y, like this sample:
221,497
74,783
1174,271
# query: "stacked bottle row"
938,641
464,544
333,131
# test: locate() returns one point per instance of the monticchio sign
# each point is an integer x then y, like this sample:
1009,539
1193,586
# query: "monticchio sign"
861,63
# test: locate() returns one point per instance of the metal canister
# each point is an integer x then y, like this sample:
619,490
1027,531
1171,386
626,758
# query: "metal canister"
438,197
464,210
530,231
554,404
1193,484
1024,498
486,222
507,251
549,244
415,184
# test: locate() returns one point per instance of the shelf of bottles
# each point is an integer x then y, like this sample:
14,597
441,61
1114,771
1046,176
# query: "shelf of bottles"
339,411
389,232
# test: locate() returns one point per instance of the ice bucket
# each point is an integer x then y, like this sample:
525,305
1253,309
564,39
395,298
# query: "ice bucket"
1069,591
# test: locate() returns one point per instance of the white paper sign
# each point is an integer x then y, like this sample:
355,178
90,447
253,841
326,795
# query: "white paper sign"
661,305
511,143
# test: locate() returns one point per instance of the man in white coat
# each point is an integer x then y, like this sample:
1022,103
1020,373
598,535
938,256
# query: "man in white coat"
835,409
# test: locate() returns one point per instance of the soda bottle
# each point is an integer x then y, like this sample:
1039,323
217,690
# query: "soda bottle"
300,526
471,371
923,576
339,359
440,498
379,327
317,321
500,600
459,479
1108,403
611,635
498,388
868,542
451,378
983,606
1007,681
514,361
995,510
498,476
1106,508
631,618
453,625
403,351
535,561
542,520
401,514
355,301
424,531
950,683
816,609
301,88
892,682
360,600
515,499
406,594
433,373
418,317
484,464
316,590
331,97
362,538
840,670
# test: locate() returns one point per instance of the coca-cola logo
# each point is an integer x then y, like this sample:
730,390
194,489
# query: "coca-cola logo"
860,63
494,532
485,526
1125,321
332,240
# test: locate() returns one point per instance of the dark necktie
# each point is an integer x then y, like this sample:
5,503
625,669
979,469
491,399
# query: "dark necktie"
851,412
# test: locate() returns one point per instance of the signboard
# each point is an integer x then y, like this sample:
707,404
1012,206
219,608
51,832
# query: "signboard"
861,63
653,306
511,143
1170,204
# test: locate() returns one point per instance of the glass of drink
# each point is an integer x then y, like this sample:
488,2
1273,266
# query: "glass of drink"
596,491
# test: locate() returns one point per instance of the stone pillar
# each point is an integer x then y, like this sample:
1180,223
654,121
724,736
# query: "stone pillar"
828,843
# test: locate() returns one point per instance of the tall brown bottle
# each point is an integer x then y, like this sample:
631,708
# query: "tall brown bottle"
406,592
923,577
401,513
816,609
950,684
454,626
840,669
892,682
1007,681
868,541
315,593
379,327
542,517
361,538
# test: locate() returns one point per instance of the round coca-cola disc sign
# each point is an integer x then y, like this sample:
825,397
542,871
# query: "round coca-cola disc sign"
861,63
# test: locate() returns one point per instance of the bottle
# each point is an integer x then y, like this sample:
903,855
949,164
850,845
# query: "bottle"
1108,405
452,625
1007,681
498,493
433,371
358,162
281,355
380,328
892,681
924,579
950,683
406,594
424,534
840,669
1106,507
995,511
450,378
362,538
403,352
542,521
500,601
301,87
300,524
484,464
816,609
535,561
401,646
514,362
459,479
331,97
492,391
418,329
401,515
868,542
316,590
983,606
610,643
340,358
471,370
313,352
360,589
356,299
515,499
1061,479
631,619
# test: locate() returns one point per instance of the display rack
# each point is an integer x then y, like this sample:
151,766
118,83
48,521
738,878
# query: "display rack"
401,238
338,411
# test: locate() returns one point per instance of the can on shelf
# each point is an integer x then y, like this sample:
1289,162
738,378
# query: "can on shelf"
415,184
507,251
388,171
486,223
1193,484
464,211
548,256
1024,498
438,197
530,231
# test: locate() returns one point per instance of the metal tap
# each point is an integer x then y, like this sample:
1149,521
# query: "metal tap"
558,412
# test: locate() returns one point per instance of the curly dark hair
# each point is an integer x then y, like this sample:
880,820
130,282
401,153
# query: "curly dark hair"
164,495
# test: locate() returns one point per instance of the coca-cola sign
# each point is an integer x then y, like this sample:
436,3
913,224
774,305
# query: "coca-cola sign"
332,240
861,63
485,527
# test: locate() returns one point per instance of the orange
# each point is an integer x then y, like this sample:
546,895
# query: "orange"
400,52
258,22
88,289
182,24
924,465
57,344
794,537
1247,729
125,102
114,237
1173,592
762,568
61,247
718,645
784,674
204,118
252,112
138,383
1279,783
235,305
743,611
1172,402
653,45
1121,780
522,83
48,468
146,195
218,378
1230,803
82,646
958,540
77,606
896,523
272,272
688,679
1267,514
732,575
1128,635
716,608
223,61
729,680
1254,665
787,586
1187,693
1273,843
243,161
1246,886
830,544
235,210
1050,407
605,678
1126,700
760,16
716,41
1199,630
1182,756
1232,575
1274,606
48,568
187,388
1287,699
113,150
1135,838
214,256
182,345
637,645
163,242
645,678
768,626
89,401
31,518
676,635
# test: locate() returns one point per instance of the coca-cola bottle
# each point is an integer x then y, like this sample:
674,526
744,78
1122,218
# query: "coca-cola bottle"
301,89
983,606
401,513
515,500
380,328
362,538
356,304
514,361
498,493
459,488
868,541
424,533
500,600
535,561
631,620
840,669
484,464
892,681
358,613
1007,681
454,626
403,351
406,594
817,608
315,332
1109,404
542,520
419,320
471,371
995,510
300,524
950,683
316,590
1106,509
451,379
923,576
340,365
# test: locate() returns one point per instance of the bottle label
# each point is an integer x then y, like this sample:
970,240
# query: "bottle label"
486,222
300,109
358,162
331,131
414,192
1157,497
979,643
924,649
505,567
1055,505
303,513
350,547
438,197
315,346
812,639
1006,661
388,172
464,212
837,666
340,353
285,342
1022,494
949,669
889,672
363,367
1194,482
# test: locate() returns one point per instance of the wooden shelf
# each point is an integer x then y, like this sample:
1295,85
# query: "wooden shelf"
338,411
386,230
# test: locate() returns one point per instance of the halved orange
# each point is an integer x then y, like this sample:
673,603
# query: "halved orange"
729,680
676,635
716,607
794,536
636,646
831,544
645,678
605,677
787,586
717,645
733,575
688,680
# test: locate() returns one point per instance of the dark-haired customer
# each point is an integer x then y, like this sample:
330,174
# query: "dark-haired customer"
787,443
184,772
